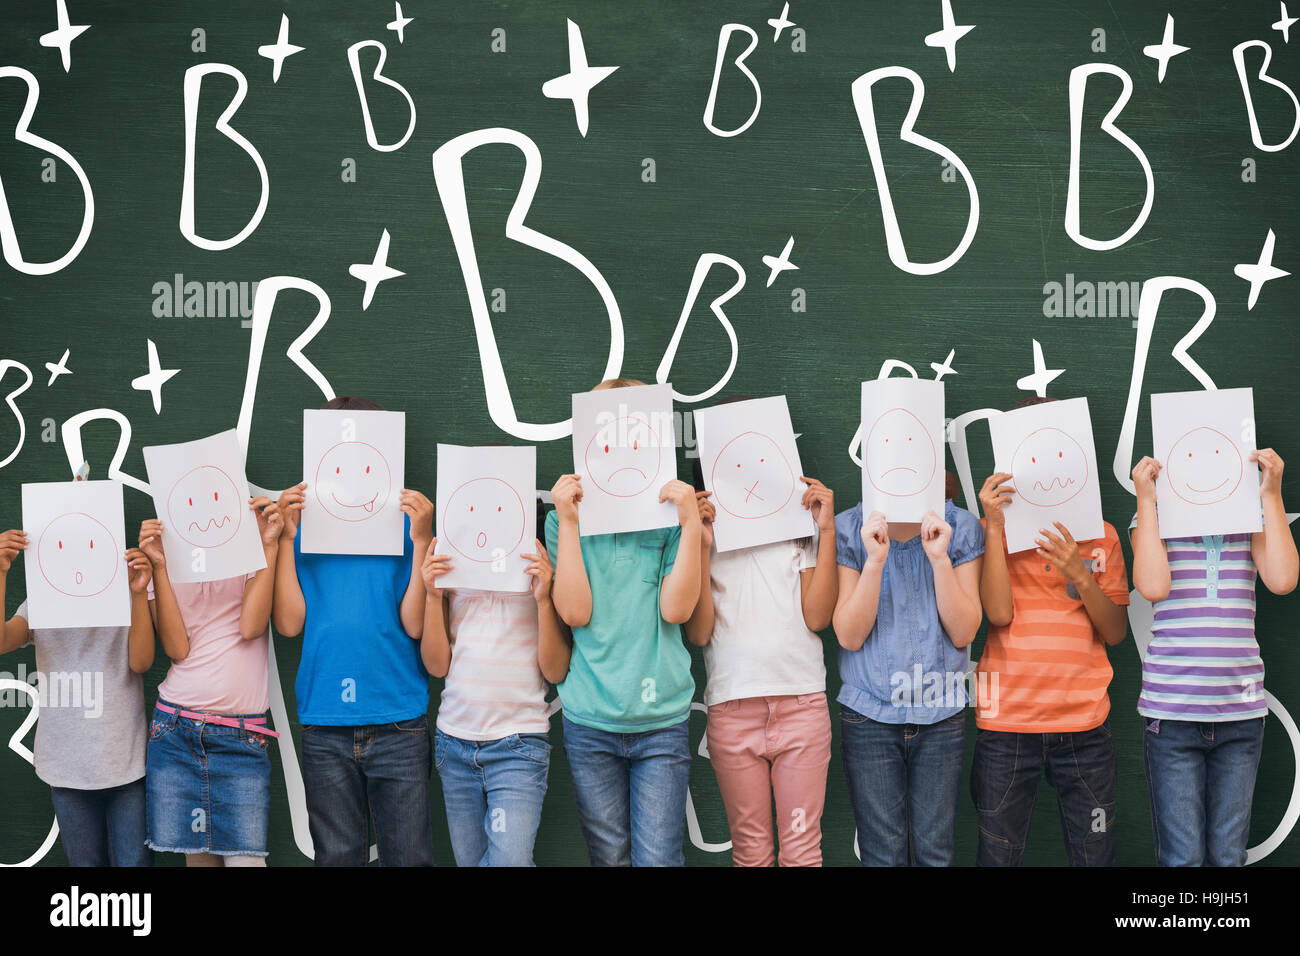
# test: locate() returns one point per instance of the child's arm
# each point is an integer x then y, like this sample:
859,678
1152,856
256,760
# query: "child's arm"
288,607
1273,549
1109,619
166,612
680,590
956,590
859,597
572,591
995,580
819,587
13,633
259,593
140,642
1150,559
411,612
699,629
435,644
553,643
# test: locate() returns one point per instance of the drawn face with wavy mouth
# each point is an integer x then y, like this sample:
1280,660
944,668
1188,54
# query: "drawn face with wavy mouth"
484,519
204,507
77,555
1204,466
623,457
353,481
899,454
751,478
1049,467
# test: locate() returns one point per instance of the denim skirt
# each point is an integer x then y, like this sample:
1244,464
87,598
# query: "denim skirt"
208,786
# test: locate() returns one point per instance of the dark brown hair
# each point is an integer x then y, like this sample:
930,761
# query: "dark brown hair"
350,403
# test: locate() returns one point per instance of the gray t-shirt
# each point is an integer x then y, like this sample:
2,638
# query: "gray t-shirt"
91,730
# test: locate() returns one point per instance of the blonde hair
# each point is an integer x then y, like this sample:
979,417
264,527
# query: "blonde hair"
618,383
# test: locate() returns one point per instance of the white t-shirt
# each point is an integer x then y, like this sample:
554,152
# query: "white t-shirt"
495,687
761,646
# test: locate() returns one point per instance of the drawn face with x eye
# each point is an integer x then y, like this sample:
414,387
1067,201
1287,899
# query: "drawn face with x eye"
1049,467
353,481
899,454
484,519
751,478
77,555
204,507
623,457
1204,466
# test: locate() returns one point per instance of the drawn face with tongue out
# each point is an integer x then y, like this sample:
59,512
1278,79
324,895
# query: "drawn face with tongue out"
78,555
1049,467
204,507
484,519
353,481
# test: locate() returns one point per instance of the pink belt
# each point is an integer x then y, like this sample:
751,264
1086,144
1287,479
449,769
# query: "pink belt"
256,725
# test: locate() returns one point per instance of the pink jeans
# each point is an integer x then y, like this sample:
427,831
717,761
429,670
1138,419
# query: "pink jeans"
766,746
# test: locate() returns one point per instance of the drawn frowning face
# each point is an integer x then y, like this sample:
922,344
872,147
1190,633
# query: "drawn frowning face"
353,481
623,458
899,454
77,555
1049,467
484,519
204,507
751,478
1204,466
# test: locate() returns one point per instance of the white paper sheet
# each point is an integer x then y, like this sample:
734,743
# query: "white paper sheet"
487,515
354,464
751,464
1208,485
1048,451
200,495
902,448
624,450
75,562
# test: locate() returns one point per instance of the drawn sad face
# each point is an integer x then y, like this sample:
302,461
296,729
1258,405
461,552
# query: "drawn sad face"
353,481
1049,467
899,454
77,555
751,478
484,519
1204,467
623,457
205,507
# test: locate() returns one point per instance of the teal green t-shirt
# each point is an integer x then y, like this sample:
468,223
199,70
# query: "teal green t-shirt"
629,671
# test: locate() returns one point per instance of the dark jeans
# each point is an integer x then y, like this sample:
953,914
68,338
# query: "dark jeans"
380,768
103,827
1004,781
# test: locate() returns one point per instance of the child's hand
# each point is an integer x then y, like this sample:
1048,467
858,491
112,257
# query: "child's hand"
875,538
434,567
1270,463
566,494
993,496
151,542
1144,478
540,568
683,496
420,509
139,570
290,503
269,521
820,500
11,542
1063,551
707,514
935,536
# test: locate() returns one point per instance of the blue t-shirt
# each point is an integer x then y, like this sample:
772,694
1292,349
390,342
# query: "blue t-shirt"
358,665
907,672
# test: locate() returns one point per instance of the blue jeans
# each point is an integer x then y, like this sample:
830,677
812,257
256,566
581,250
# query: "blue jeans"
1202,780
103,827
493,790
1080,767
354,773
904,781
631,793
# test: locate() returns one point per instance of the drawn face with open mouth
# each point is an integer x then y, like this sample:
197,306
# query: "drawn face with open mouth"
77,555
353,481
1049,467
899,454
751,478
204,507
623,457
484,520
1204,466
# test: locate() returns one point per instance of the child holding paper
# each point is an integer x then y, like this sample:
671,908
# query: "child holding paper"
209,780
91,749
908,608
1202,678
627,693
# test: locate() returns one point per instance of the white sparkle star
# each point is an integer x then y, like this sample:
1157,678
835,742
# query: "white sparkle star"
61,39
940,370
1042,377
61,368
947,37
399,22
1165,50
154,381
578,82
1283,26
374,272
280,50
1258,273
781,22
781,263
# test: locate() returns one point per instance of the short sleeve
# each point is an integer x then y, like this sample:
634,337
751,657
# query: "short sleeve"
551,535
849,550
967,542
1112,578
1134,523
671,540
807,548
22,612
149,591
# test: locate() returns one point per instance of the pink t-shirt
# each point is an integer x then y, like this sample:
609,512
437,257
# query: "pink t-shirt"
223,673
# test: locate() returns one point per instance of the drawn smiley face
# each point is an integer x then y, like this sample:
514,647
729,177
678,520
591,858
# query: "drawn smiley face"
78,555
484,519
899,454
353,481
751,478
623,458
1049,467
204,507
1204,466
